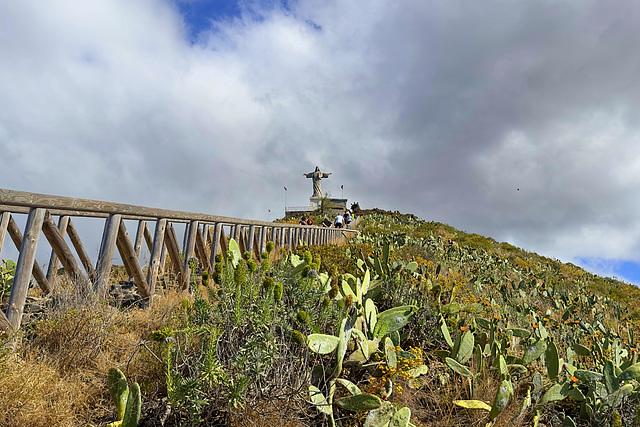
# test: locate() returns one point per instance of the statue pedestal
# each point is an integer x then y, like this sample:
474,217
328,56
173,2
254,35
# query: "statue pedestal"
316,202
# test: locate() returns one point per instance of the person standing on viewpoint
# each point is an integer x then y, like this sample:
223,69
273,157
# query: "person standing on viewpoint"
347,218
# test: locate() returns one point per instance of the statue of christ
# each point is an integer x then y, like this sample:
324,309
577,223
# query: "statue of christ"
316,176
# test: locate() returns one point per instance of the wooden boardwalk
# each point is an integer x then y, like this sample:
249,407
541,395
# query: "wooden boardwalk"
205,236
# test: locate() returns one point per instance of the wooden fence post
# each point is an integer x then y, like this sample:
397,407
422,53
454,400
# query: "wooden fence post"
191,231
201,252
156,252
215,243
26,259
171,241
52,269
251,239
241,238
277,240
16,236
223,242
4,222
137,247
82,254
131,262
64,254
105,256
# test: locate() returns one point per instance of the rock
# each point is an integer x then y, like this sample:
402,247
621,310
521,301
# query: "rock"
125,294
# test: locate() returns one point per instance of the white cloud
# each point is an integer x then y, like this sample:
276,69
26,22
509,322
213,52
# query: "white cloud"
427,107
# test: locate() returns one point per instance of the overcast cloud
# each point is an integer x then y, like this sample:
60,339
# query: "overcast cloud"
512,119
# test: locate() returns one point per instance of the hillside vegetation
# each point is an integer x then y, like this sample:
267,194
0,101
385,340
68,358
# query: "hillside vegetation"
410,323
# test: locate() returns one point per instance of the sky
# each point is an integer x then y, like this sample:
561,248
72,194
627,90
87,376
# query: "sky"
514,119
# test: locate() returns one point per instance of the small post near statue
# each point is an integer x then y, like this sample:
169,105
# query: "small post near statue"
315,200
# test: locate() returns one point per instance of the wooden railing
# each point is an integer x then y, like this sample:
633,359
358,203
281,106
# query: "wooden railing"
204,237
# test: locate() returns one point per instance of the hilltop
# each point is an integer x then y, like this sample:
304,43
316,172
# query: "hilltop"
411,323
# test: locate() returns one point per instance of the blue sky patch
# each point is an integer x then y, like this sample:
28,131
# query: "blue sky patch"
199,14
628,271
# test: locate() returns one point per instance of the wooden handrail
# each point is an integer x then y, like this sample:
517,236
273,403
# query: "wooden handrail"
60,205
204,238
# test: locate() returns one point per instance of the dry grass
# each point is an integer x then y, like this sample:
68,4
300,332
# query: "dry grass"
57,374
432,405
34,393
268,413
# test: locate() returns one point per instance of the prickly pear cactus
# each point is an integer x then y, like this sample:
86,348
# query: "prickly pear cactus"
401,418
134,403
393,319
504,392
322,343
360,402
380,417
119,390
